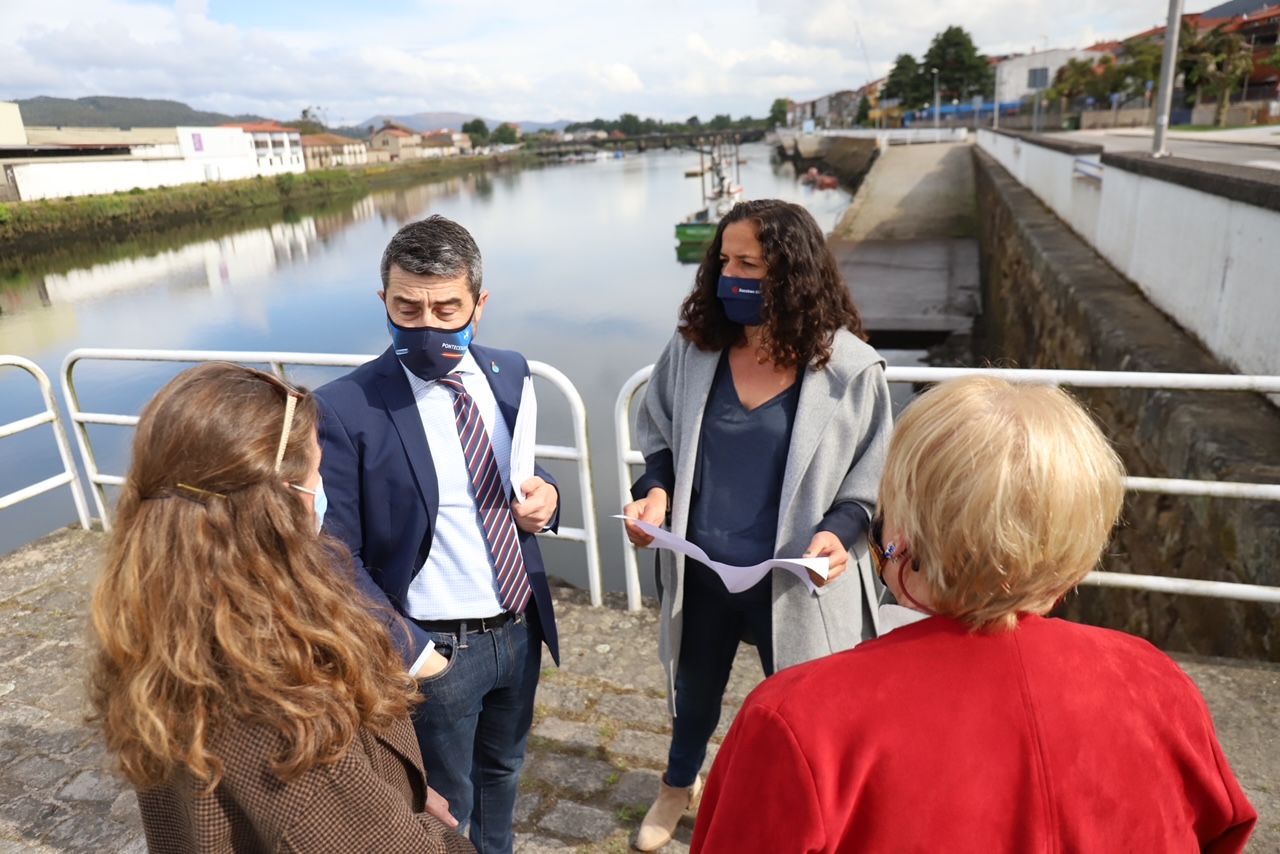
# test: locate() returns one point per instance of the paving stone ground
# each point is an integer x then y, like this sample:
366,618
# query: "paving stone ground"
597,748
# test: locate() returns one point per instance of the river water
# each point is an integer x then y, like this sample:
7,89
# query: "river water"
579,260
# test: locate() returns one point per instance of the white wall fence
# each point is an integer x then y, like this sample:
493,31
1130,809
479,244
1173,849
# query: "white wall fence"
629,459
1210,260
627,456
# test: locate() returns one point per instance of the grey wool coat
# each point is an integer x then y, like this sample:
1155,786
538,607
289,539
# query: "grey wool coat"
838,446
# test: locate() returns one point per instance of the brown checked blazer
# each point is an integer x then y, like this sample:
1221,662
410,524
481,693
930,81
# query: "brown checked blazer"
371,800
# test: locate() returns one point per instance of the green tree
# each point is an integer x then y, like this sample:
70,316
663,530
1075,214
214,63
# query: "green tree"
309,121
722,121
905,83
962,71
1139,63
477,130
1218,61
504,134
1073,80
629,123
778,112
863,117
693,122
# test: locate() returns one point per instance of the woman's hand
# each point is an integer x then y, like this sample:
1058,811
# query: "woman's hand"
828,545
652,509
439,807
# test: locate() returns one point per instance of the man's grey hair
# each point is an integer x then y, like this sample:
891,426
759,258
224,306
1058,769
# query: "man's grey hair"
434,246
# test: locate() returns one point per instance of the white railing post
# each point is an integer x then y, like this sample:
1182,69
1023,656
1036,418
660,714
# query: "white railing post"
627,457
53,417
588,534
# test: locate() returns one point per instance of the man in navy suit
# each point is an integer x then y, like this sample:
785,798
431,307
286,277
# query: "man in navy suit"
416,466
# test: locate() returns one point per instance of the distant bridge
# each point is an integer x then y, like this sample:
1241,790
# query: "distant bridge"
693,139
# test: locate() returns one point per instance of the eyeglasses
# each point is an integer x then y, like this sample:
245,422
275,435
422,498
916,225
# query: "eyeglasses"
880,554
875,538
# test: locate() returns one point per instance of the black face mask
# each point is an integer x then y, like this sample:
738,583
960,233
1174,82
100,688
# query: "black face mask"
430,353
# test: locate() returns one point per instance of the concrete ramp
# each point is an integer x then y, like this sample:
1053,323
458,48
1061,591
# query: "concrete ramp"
907,245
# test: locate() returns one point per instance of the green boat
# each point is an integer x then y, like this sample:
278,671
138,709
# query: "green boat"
698,230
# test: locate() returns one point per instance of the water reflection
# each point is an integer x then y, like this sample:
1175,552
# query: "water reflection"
578,259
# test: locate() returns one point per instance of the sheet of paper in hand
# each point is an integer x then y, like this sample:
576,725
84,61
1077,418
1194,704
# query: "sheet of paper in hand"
524,439
735,578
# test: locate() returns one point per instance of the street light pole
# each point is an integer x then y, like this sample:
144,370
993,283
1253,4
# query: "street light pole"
1165,93
937,103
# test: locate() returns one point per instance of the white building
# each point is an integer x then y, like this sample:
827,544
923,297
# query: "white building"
326,150
279,149
1020,76
50,163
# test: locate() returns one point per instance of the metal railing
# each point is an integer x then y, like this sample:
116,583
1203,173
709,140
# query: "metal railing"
578,453
629,456
52,417
1089,170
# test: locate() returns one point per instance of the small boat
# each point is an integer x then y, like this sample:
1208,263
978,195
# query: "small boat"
818,180
697,230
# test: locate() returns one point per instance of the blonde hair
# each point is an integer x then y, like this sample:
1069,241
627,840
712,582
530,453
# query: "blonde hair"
1005,494
219,602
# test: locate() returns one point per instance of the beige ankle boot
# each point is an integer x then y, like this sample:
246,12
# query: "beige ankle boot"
661,819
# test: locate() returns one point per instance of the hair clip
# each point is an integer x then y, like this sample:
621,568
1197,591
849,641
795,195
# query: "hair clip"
195,490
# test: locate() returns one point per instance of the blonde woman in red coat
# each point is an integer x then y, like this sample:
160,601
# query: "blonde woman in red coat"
981,725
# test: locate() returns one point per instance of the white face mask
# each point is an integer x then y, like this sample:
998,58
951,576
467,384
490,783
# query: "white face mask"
321,500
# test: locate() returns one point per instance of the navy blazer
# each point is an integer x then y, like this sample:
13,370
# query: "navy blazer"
382,488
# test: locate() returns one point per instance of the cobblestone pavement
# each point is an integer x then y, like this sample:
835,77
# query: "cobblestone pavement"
598,744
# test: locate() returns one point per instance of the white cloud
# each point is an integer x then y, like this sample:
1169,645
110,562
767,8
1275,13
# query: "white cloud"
510,59
616,77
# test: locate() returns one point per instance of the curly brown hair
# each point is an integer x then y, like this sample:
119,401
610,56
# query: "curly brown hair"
805,297
219,602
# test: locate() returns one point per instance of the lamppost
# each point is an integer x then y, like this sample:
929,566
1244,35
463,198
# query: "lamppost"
937,103
1168,67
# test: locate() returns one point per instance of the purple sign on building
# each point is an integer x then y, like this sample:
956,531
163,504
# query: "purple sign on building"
196,142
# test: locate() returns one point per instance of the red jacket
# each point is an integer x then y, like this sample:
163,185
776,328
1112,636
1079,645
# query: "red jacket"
1055,737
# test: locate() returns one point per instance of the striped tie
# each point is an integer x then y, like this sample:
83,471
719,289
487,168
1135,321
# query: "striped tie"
491,499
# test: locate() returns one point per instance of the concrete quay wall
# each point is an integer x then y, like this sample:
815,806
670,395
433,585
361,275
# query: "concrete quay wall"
1050,302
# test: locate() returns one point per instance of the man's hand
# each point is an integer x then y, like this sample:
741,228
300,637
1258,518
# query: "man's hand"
828,545
439,807
652,509
539,505
434,664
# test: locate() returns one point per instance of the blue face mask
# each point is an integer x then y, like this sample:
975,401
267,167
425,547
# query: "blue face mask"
742,299
430,353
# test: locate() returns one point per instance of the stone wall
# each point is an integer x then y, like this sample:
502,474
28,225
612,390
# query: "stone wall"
1050,302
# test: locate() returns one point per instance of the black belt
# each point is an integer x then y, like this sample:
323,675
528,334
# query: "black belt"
468,626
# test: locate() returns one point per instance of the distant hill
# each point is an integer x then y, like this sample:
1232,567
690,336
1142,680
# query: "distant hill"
107,111
455,121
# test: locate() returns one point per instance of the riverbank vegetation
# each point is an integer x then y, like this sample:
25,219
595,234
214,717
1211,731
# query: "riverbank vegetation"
32,228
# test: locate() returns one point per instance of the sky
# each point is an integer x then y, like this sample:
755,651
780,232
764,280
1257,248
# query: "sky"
521,60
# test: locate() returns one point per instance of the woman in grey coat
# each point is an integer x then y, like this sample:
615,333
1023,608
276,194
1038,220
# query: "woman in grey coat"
764,430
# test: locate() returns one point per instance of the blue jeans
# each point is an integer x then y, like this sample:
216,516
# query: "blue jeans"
714,621
474,723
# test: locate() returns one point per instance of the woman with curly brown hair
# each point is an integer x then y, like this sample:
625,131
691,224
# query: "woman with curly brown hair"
240,678
764,430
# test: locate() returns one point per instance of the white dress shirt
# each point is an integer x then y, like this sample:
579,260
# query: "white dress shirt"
457,581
